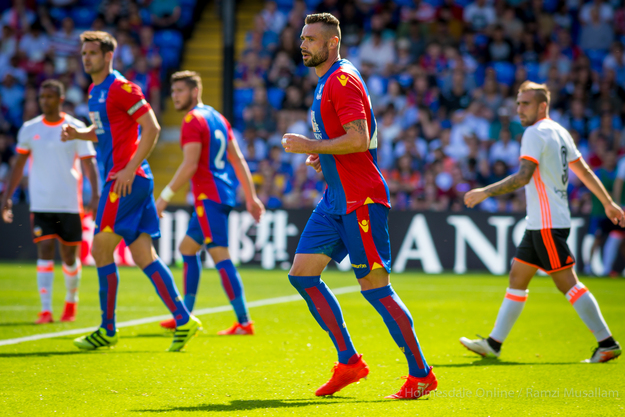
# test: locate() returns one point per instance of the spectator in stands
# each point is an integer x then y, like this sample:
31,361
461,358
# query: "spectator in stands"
33,47
505,149
596,35
274,19
18,17
479,15
164,14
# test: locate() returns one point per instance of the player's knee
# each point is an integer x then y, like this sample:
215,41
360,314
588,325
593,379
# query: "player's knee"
517,281
144,257
69,257
45,249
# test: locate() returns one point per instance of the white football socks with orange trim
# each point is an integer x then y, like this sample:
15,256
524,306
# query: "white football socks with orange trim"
45,278
588,310
72,276
509,312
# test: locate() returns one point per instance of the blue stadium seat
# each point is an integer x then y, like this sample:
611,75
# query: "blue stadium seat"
596,57
312,4
94,4
284,4
83,17
275,97
505,72
243,96
186,17
58,14
168,39
533,72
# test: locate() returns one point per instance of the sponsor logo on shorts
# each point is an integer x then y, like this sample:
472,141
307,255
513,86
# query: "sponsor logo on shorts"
364,225
359,266
37,231
113,197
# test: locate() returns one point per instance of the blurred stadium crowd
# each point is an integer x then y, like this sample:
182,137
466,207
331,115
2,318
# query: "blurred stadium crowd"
442,75
39,39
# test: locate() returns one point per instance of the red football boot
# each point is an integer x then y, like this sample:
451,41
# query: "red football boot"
238,329
415,387
343,375
45,317
169,324
69,313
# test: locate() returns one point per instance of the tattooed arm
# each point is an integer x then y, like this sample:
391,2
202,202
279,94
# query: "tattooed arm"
505,186
355,139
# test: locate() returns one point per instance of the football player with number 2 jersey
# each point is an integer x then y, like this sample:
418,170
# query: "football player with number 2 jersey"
211,159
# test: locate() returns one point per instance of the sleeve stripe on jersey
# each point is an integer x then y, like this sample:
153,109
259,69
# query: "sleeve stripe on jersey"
22,151
137,106
572,162
87,156
529,158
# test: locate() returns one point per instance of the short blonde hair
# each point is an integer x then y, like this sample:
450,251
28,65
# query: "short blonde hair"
541,91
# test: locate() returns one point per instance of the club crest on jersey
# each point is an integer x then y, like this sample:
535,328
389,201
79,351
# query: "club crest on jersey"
37,231
102,98
343,79
126,87
320,93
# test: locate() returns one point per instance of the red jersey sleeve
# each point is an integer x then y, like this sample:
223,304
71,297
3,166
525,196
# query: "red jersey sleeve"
191,130
346,93
128,97
230,134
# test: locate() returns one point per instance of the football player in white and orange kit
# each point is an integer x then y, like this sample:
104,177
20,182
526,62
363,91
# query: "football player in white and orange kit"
547,153
55,190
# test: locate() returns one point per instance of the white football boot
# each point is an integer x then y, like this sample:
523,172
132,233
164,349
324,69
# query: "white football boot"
479,346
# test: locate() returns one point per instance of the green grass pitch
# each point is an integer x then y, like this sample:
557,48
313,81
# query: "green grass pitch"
276,371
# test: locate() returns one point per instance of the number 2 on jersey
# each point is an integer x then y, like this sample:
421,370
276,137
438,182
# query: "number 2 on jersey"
219,158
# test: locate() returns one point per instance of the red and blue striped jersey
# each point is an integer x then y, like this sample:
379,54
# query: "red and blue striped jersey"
114,107
353,179
214,178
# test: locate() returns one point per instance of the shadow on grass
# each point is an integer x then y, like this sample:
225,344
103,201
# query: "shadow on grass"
247,405
19,323
497,362
67,353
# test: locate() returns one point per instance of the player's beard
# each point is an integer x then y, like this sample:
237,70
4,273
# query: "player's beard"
316,60
186,106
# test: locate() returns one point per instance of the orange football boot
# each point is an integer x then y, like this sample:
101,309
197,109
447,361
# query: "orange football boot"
69,313
169,324
415,387
343,375
45,317
238,329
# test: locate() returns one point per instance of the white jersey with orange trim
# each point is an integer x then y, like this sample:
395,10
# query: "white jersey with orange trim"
55,178
551,147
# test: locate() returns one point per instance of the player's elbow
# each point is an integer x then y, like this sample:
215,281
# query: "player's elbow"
363,144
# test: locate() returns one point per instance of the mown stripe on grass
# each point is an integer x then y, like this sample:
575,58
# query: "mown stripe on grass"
146,320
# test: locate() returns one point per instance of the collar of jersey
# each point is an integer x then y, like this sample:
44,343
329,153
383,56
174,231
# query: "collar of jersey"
332,69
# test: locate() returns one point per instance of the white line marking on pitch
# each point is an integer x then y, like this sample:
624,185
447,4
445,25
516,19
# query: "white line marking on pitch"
146,320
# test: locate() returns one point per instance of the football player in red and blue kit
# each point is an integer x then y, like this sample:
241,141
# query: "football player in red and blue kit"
127,210
352,217
211,159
